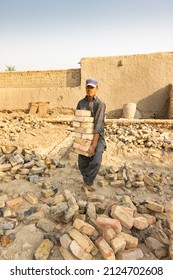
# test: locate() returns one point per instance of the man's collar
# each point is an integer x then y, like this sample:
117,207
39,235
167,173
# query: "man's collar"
94,98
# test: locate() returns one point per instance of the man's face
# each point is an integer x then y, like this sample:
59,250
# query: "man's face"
91,91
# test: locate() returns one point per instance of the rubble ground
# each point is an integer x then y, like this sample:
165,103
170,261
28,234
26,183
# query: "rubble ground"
43,206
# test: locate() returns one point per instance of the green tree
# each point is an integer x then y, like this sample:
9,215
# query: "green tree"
10,68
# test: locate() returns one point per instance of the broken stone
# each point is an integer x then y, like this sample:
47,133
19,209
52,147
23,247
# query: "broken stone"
79,252
121,214
130,254
43,251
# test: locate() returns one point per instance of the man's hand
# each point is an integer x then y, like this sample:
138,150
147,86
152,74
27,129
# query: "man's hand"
91,150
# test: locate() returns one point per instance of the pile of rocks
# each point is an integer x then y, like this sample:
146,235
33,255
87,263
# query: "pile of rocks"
25,164
13,124
95,228
139,135
84,128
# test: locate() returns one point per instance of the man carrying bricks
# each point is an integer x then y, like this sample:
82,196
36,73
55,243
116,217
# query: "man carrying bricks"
90,165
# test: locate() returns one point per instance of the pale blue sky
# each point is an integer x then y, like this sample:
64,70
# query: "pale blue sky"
56,34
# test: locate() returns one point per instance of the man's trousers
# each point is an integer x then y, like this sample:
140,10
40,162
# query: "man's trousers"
89,166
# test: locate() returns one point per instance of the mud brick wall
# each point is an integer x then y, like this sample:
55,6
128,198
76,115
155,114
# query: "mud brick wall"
19,89
142,79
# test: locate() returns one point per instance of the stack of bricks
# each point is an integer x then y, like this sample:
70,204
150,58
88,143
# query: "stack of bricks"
83,124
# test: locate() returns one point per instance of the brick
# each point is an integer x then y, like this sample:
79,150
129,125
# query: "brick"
67,194
170,220
83,113
5,167
104,220
47,193
82,240
88,119
87,125
78,146
72,202
46,185
88,136
65,240
77,135
35,217
83,119
140,223
79,252
156,247
91,211
80,152
3,199
169,206
156,207
29,164
118,183
96,197
84,130
43,251
128,200
130,254
108,233
67,255
15,169
59,209
76,124
23,171
13,202
148,181
131,241
150,218
83,141
58,198
153,243
105,249
24,213
118,243
31,198
7,212
46,225
13,161
83,227
123,216
18,158
68,214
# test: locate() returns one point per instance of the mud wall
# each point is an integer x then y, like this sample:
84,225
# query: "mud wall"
143,79
60,88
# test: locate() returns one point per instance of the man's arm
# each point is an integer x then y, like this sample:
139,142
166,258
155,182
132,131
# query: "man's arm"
99,118
93,145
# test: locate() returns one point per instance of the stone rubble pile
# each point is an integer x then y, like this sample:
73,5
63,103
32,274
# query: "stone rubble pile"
25,164
98,227
95,228
84,128
139,135
13,124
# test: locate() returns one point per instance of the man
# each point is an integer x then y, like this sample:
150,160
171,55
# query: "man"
89,166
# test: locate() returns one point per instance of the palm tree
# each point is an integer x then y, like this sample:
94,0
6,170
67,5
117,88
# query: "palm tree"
10,68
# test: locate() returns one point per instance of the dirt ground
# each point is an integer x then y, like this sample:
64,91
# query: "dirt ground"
44,140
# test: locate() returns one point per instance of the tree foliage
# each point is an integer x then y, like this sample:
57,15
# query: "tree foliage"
10,68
